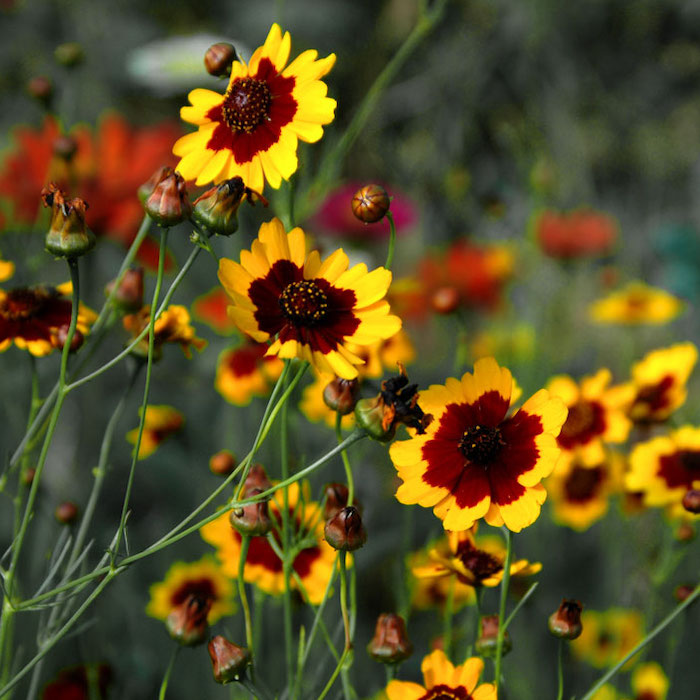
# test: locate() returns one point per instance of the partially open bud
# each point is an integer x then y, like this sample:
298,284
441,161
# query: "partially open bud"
336,500
219,58
129,294
169,204
565,623
222,463
228,660
371,415
691,501
146,190
70,54
256,479
61,336
252,520
345,530
68,235
187,623
216,210
683,592
445,300
390,644
65,147
341,395
41,89
370,203
66,512
487,644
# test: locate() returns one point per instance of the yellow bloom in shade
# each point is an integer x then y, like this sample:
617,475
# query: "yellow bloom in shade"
606,692
430,593
161,422
312,309
202,578
636,303
666,467
476,462
244,372
608,636
7,269
443,680
313,564
252,130
659,382
649,682
597,415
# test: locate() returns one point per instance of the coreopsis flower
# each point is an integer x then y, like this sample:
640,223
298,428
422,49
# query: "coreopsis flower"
474,461
608,636
203,578
637,303
246,371
107,168
429,593
86,682
649,682
597,416
665,468
172,326
311,309
160,423
475,562
574,234
659,382
313,564
32,317
443,680
580,492
252,129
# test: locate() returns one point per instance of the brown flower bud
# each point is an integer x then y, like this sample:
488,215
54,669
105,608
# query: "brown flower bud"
487,644
68,235
444,300
146,190
252,520
341,395
345,530
41,89
691,501
228,660
59,340
336,500
169,203
222,463
390,644
187,623
65,147
565,623
256,479
370,203
219,58
370,415
216,210
129,294
685,532
70,54
28,476
683,592
66,513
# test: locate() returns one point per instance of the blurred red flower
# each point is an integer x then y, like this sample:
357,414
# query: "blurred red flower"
574,234
74,683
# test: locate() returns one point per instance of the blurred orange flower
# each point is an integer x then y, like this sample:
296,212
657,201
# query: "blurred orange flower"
574,234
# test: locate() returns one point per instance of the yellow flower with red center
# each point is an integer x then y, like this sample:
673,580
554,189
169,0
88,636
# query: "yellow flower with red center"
313,564
312,309
31,317
474,461
203,579
608,636
636,303
245,371
161,422
443,681
649,682
597,415
659,382
434,592
473,561
666,467
252,130
580,492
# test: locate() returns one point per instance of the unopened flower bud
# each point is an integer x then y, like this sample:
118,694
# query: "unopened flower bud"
370,203
222,463
341,395
256,479
66,512
228,660
345,530
565,623
336,500
65,147
68,235
691,501
169,204
61,336
41,89
371,415
390,644
70,54
487,644
216,210
683,592
187,623
444,300
219,58
129,294
28,476
252,520
146,190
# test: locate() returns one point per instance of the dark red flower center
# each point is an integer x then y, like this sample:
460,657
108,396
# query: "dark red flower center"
304,303
202,589
444,692
680,468
23,303
481,443
244,360
583,483
654,396
246,104
585,421
482,564
690,459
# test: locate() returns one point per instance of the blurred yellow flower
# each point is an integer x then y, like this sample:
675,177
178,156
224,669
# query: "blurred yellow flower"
608,636
636,303
160,423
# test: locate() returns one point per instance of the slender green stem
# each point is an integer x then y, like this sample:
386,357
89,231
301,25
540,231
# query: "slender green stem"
344,457
502,608
168,671
344,599
392,240
336,671
659,628
245,543
520,604
560,670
